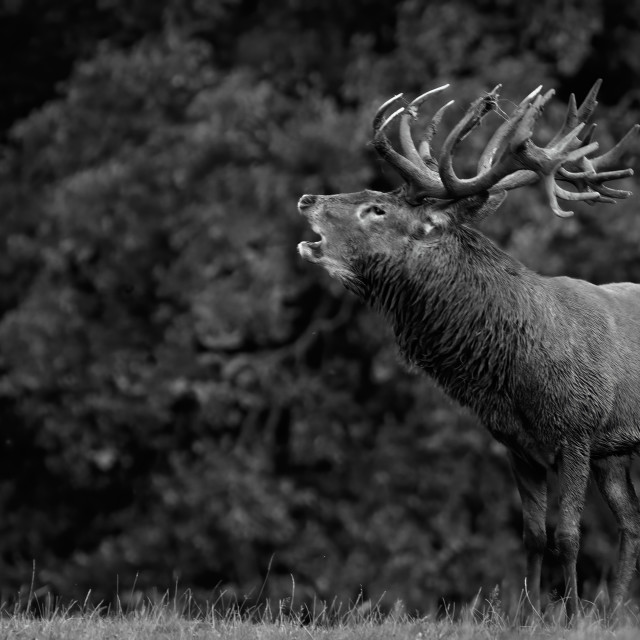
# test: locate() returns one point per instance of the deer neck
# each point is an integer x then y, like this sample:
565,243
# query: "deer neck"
459,311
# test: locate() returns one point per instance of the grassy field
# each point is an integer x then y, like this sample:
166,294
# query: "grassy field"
166,621
168,627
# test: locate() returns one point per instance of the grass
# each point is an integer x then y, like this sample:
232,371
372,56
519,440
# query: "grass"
178,619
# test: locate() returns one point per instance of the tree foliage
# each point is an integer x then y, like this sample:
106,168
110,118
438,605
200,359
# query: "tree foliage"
181,398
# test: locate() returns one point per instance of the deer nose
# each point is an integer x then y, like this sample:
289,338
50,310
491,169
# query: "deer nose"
306,201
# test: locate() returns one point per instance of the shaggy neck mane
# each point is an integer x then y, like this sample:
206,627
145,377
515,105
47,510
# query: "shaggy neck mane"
461,315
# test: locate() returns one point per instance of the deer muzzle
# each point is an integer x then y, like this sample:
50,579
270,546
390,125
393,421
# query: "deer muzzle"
306,201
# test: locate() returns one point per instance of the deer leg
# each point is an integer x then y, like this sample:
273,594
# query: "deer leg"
573,476
614,481
531,479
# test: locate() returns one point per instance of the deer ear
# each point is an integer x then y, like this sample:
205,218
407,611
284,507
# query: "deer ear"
421,230
477,208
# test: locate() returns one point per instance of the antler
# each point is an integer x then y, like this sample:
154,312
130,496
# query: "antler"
510,159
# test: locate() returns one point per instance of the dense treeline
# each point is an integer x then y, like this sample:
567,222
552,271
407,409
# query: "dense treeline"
181,398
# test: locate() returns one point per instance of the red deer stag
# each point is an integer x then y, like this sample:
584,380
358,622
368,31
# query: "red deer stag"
550,365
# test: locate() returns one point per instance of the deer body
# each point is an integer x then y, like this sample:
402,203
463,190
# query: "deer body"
538,359
550,365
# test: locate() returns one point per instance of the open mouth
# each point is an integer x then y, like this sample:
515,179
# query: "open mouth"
312,251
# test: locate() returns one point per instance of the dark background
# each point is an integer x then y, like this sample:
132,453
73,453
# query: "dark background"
182,400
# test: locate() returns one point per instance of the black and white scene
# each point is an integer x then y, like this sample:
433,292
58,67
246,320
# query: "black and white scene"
319,319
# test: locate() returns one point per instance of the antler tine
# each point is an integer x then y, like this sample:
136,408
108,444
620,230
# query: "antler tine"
591,196
608,192
588,136
592,181
507,146
524,129
512,137
484,181
575,115
612,157
550,189
571,120
395,114
471,120
592,176
382,109
416,102
425,144
545,161
589,182
406,140
554,191
519,178
564,149
589,103
413,174
495,146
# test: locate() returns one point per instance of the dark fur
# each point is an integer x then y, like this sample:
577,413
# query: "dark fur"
528,354
550,365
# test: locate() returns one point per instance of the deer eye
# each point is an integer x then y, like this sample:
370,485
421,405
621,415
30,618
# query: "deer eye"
366,211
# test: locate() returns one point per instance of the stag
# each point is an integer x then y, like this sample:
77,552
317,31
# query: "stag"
551,366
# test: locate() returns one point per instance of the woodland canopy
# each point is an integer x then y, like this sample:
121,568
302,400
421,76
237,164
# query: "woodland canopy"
182,400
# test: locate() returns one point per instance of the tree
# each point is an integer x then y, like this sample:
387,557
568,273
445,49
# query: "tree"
181,397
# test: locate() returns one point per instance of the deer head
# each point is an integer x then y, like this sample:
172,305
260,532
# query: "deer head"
434,201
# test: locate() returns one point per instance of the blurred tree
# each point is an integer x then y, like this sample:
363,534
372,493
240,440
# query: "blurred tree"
39,43
180,396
